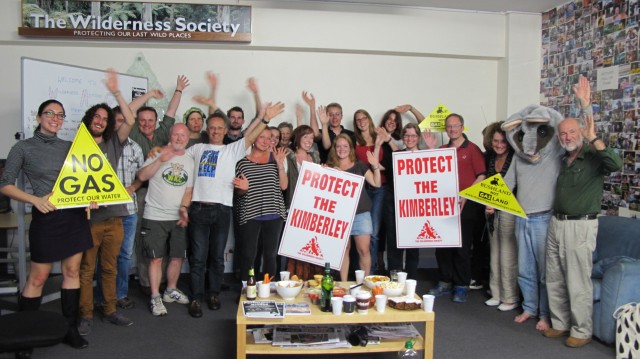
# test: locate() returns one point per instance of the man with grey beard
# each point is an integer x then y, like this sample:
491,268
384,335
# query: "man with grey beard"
572,231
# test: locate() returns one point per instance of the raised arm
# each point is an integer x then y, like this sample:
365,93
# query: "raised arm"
385,137
253,87
373,173
281,156
139,101
582,90
112,85
210,101
308,98
271,111
324,120
417,114
182,83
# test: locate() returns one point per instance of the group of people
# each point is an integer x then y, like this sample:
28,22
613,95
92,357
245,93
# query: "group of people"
194,180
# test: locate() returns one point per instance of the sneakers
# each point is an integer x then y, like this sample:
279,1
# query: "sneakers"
460,294
441,288
157,307
175,295
505,307
492,303
118,319
84,328
475,285
125,303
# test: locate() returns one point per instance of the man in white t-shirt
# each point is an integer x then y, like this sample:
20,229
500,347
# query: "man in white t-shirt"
210,212
164,222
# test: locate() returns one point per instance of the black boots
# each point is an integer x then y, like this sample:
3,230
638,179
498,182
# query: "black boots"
70,299
27,304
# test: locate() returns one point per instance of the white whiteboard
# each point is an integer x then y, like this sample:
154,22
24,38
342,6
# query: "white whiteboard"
77,88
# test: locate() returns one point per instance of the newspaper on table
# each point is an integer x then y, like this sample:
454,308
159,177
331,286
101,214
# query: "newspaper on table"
392,330
262,335
310,336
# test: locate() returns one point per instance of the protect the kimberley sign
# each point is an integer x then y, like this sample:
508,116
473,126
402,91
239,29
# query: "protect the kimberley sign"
121,20
426,189
321,214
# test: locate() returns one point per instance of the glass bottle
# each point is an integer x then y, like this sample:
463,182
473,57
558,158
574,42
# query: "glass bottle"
252,289
327,289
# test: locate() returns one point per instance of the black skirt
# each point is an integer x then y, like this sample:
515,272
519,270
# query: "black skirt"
59,234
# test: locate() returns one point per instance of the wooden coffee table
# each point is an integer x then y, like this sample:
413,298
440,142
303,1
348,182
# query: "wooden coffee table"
246,345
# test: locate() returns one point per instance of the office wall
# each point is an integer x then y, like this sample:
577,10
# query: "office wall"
372,57
599,41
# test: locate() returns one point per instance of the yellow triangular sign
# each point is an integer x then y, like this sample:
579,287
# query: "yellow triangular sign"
87,176
435,120
495,193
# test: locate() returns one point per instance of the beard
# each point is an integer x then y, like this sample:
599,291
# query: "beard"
570,147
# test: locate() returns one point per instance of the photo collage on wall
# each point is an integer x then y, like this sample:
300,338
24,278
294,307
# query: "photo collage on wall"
583,37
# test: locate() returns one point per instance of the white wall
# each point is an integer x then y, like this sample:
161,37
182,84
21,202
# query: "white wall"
370,57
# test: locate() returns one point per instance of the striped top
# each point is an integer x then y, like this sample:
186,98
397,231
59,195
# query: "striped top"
264,197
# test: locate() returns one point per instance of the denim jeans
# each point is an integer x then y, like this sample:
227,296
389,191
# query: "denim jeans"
377,201
531,235
208,232
124,260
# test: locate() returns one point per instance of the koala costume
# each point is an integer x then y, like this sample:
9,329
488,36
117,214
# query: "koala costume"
534,170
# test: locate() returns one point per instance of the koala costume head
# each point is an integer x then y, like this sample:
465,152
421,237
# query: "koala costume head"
532,133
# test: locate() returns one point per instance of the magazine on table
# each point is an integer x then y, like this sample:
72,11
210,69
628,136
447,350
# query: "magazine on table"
297,309
263,309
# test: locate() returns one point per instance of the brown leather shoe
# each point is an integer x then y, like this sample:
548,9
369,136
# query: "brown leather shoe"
573,342
555,333
195,309
213,302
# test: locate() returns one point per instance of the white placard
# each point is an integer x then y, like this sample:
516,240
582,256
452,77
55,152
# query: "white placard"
426,190
321,214
607,78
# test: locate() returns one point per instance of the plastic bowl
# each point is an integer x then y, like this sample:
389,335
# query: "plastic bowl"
392,289
372,280
288,289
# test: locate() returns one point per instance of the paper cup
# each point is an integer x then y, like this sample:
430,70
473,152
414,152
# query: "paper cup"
354,291
402,277
363,300
336,305
264,290
427,302
381,303
359,276
410,287
284,275
348,304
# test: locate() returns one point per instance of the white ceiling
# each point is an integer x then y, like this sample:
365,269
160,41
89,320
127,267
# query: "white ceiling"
535,6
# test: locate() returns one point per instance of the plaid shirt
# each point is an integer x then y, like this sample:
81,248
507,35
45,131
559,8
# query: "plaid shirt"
128,165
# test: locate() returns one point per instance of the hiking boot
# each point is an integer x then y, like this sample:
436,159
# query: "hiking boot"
460,294
441,288
555,333
157,307
574,342
175,295
125,303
